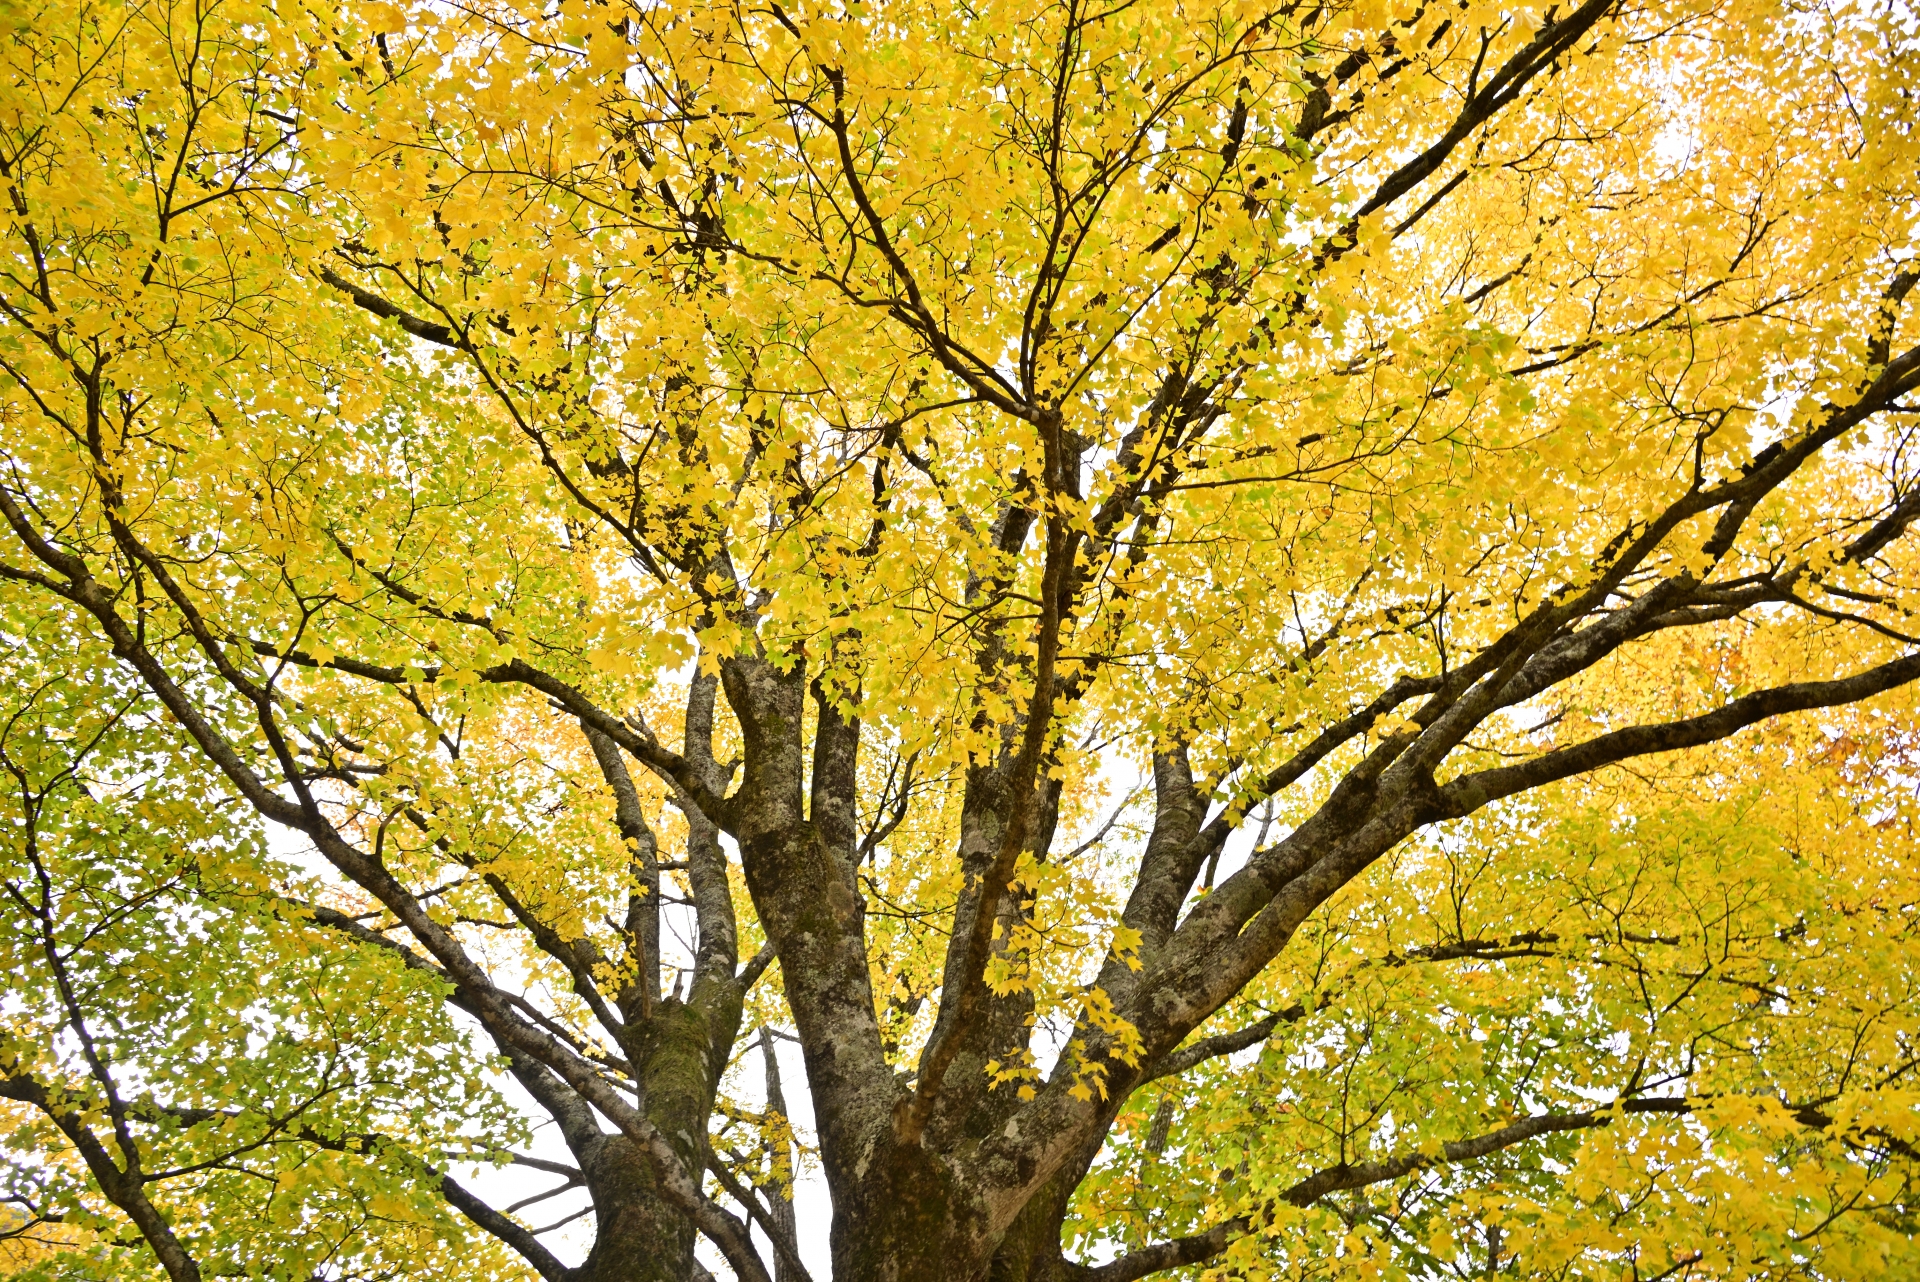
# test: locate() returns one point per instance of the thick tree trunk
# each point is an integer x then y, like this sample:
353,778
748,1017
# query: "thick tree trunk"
911,1220
1029,1251
638,1235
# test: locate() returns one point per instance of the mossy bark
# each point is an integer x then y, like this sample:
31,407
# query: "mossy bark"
911,1221
640,1236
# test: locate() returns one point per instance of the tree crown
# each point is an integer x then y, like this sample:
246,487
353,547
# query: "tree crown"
1276,635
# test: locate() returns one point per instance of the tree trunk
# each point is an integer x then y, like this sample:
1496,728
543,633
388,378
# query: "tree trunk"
638,1235
911,1220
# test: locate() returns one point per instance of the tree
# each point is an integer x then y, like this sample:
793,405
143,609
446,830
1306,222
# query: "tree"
693,518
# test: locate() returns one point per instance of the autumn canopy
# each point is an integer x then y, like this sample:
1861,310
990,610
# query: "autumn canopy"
901,642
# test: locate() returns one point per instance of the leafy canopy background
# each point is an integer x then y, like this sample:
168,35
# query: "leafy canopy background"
698,516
